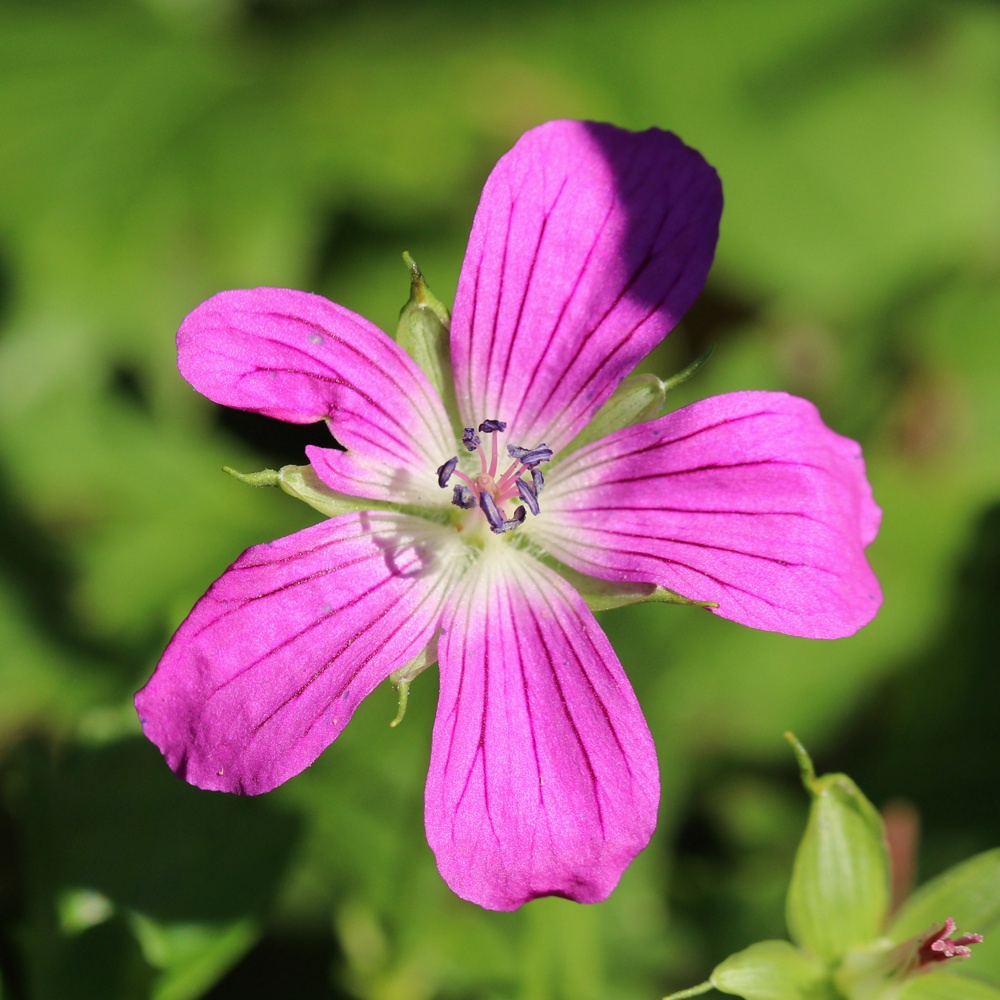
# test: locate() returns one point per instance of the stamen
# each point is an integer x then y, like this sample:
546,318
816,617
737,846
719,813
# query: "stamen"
530,457
497,523
470,438
488,506
444,472
463,497
488,491
527,494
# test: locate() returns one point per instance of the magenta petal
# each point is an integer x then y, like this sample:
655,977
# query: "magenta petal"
589,244
746,499
270,665
296,357
543,777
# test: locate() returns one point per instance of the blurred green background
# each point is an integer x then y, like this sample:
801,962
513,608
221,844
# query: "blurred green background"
154,152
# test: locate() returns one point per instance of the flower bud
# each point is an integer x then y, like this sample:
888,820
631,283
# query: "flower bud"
839,893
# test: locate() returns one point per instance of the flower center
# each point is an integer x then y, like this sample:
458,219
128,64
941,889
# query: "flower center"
491,490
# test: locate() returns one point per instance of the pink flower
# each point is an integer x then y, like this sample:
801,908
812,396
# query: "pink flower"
943,942
589,243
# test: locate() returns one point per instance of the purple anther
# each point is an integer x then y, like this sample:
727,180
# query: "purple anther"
512,522
470,438
445,471
538,481
488,426
530,457
527,493
488,506
463,497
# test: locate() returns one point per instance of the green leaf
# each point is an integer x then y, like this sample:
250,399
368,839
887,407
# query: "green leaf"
969,892
839,893
945,986
773,970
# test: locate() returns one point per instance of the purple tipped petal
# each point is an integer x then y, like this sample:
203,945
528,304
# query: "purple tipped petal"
297,357
589,244
272,662
543,777
746,499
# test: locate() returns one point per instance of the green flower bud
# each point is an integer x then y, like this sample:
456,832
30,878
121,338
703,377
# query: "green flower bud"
839,894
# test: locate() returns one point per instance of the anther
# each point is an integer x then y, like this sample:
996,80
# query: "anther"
527,494
488,426
488,506
463,498
470,438
530,457
444,472
538,481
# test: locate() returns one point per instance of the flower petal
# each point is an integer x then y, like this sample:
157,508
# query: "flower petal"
543,777
589,244
272,662
296,357
746,499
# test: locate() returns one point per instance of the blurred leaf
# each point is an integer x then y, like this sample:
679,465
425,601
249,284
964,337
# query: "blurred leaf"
145,840
969,892
943,986
773,970
192,957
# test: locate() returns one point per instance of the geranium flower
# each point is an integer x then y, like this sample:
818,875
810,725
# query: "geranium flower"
454,533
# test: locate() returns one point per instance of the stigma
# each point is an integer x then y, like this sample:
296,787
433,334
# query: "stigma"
491,490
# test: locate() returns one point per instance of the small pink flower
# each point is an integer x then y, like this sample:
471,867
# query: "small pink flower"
589,243
941,943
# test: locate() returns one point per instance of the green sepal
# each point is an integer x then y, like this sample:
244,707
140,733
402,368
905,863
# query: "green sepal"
874,972
947,986
604,595
839,893
685,373
969,892
301,482
266,477
773,970
423,331
402,677
637,399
